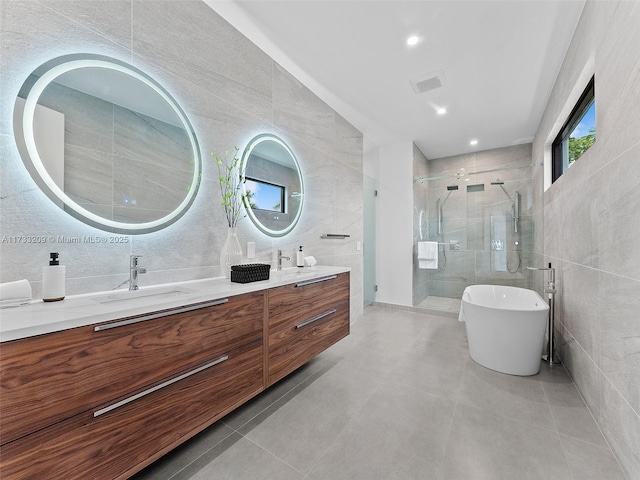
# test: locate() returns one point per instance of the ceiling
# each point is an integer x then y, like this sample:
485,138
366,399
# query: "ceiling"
497,62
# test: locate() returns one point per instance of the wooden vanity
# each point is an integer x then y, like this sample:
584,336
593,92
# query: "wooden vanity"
104,400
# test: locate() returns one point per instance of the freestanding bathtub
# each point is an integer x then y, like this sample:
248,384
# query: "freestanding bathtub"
505,327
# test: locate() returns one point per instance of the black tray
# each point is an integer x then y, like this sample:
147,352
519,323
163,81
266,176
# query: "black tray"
250,272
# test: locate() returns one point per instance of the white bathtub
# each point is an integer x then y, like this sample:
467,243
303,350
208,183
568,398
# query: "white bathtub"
505,327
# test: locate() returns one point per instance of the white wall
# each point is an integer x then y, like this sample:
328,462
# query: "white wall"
394,224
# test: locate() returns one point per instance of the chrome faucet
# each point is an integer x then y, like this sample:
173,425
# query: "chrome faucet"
550,349
280,257
551,283
134,271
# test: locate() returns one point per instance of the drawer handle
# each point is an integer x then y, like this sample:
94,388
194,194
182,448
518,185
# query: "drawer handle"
316,318
316,280
121,403
153,316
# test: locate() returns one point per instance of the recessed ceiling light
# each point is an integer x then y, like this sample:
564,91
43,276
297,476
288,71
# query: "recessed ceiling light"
441,111
473,142
412,40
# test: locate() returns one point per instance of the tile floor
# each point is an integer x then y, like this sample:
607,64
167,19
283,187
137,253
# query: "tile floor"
443,304
401,399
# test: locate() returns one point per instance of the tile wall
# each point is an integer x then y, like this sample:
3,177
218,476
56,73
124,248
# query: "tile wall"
230,90
591,223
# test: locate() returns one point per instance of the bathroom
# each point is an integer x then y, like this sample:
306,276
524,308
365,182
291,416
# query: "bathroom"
585,223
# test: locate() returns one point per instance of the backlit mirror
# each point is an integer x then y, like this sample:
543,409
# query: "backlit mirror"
107,143
272,185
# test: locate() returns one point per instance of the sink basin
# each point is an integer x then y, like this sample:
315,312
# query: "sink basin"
128,295
287,273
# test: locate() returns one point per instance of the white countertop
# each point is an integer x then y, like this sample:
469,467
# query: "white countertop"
40,317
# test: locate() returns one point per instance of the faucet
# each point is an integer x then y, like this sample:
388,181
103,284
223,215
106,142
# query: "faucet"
134,271
551,284
280,257
550,349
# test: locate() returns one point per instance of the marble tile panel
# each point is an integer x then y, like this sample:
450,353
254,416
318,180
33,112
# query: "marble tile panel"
553,229
579,308
451,166
584,372
298,110
620,335
580,226
348,143
110,19
618,234
514,156
230,66
318,174
621,426
618,83
347,184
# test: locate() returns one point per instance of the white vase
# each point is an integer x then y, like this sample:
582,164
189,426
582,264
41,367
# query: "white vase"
231,253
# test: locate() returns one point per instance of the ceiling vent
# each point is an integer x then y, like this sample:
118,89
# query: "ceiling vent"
427,82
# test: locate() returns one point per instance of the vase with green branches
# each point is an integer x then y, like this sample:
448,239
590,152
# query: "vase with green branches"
232,200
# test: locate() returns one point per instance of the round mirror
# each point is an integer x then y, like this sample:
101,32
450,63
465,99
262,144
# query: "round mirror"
272,185
107,143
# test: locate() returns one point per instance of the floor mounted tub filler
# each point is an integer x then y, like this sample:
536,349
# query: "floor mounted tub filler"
505,327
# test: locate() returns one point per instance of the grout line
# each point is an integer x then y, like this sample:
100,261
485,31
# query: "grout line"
561,260
555,422
600,371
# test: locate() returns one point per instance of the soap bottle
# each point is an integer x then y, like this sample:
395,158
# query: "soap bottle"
53,278
300,257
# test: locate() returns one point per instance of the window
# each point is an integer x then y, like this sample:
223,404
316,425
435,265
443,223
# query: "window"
577,134
264,195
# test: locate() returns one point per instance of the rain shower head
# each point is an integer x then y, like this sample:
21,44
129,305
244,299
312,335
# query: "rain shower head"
452,187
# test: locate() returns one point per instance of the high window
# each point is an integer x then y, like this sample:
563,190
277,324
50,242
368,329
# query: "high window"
577,134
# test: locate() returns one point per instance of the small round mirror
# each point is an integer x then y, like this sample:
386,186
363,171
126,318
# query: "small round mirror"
107,143
272,185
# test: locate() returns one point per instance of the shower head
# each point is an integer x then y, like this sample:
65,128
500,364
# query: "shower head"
452,187
497,182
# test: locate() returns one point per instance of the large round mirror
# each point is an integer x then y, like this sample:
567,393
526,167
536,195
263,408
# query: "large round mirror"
107,143
272,184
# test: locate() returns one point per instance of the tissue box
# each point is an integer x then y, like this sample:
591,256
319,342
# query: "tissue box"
251,272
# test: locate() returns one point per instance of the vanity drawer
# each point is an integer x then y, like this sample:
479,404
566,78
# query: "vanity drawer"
122,441
290,304
304,321
52,377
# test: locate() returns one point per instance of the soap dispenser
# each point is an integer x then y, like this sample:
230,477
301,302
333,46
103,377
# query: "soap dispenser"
300,257
53,278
